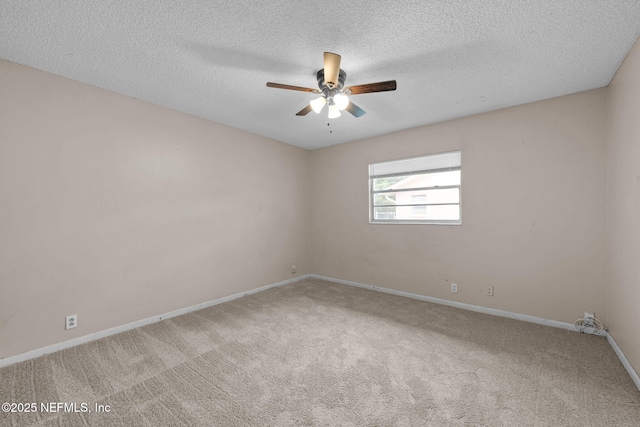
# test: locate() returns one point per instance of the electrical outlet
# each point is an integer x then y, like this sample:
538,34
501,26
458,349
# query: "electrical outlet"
293,269
589,318
454,288
71,321
488,291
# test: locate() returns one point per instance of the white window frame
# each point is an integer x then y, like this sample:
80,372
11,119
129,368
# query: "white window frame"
416,166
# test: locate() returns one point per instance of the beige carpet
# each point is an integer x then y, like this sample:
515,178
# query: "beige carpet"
319,353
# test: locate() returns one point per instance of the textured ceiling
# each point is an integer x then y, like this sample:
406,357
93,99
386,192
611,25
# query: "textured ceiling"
212,58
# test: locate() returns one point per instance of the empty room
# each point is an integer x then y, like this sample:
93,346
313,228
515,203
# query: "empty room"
219,213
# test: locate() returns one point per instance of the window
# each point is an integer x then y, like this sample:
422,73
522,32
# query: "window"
418,209
418,190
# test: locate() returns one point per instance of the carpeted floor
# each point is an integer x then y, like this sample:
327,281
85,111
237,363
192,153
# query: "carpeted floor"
320,353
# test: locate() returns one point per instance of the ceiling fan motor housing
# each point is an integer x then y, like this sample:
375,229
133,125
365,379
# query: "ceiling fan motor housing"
342,76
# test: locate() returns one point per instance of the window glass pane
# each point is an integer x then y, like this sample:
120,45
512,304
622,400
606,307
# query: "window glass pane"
437,179
434,196
387,199
384,199
443,212
424,213
418,199
385,183
384,213
447,178
445,195
418,210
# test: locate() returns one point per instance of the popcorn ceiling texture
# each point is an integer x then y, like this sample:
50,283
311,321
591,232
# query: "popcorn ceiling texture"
213,58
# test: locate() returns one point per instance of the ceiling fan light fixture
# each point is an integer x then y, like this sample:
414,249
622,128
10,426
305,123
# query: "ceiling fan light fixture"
334,111
331,87
341,100
318,103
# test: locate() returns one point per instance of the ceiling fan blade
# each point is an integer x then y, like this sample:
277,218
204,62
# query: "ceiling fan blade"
372,87
355,110
301,89
306,110
331,68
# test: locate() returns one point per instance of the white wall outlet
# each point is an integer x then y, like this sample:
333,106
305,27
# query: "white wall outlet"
488,291
589,318
71,321
454,288
293,269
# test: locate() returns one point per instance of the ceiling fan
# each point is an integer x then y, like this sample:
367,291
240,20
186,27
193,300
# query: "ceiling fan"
332,90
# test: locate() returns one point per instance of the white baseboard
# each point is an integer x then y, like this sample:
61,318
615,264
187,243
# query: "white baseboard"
470,307
501,313
625,362
108,332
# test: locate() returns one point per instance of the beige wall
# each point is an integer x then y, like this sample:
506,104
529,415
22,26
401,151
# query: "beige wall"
623,290
118,210
533,211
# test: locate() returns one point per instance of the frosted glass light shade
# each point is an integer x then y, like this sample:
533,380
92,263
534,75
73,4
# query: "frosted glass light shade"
341,100
334,111
318,103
